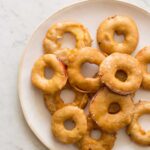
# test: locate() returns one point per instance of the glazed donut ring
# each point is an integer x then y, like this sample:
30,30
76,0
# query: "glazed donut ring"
111,121
120,25
60,116
55,102
105,142
143,57
56,32
76,79
129,65
134,130
59,79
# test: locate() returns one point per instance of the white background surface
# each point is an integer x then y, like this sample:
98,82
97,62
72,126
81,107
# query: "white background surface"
18,19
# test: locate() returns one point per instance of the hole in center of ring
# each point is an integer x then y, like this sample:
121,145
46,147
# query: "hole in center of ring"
144,121
95,134
114,108
148,68
69,124
67,95
121,75
68,40
48,72
89,70
118,37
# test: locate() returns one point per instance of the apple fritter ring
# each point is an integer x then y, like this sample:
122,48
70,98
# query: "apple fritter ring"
125,63
76,79
143,57
55,102
111,111
51,42
134,129
121,25
59,78
69,113
104,142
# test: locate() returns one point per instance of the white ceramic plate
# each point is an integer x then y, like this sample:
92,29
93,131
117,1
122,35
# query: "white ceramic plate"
91,14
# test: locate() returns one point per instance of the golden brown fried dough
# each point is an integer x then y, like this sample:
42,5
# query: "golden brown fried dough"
69,113
120,25
111,119
143,57
76,79
127,64
105,141
51,42
58,80
134,130
55,102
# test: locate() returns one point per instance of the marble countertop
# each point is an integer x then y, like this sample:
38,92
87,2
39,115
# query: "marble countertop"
18,20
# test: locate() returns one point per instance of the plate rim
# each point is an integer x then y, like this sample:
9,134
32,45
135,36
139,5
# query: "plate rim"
147,12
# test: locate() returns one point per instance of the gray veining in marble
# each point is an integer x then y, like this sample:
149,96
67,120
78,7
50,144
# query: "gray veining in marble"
18,20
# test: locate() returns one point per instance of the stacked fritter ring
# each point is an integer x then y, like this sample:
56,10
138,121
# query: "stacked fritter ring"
55,102
58,80
111,111
69,113
134,130
51,42
121,62
76,79
119,25
105,141
143,57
